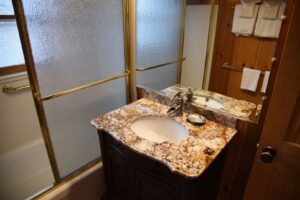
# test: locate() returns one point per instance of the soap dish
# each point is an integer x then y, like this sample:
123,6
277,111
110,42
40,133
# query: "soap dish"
196,119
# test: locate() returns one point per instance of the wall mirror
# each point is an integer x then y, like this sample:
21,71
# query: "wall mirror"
226,46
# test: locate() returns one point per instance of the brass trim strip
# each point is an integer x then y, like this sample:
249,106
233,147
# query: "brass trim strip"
209,41
141,69
73,175
82,87
181,45
4,17
126,48
24,37
9,89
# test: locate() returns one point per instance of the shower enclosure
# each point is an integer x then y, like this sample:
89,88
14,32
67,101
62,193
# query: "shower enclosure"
77,55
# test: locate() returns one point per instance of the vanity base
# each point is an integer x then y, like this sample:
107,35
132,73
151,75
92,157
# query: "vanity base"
132,176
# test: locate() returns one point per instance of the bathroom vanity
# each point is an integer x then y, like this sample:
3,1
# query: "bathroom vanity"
238,114
139,168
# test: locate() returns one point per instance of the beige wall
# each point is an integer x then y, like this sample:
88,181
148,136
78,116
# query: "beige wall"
195,44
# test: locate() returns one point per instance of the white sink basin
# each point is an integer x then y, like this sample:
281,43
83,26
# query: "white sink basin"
159,129
208,101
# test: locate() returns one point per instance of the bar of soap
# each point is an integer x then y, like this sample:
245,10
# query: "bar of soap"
196,119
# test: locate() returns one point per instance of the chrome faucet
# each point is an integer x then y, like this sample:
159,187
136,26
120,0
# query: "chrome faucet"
176,110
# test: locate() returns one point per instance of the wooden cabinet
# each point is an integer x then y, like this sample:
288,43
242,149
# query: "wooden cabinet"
132,176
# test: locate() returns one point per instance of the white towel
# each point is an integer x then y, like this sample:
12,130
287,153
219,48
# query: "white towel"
265,82
268,27
247,11
250,79
243,26
272,2
271,9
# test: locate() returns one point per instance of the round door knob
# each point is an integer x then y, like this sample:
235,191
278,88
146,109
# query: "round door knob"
268,154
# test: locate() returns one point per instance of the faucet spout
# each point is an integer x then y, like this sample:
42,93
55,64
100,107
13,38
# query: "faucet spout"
175,111
177,108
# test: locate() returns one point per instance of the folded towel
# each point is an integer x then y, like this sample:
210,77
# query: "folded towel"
247,11
272,2
250,2
268,27
243,26
265,82
271,9
250,79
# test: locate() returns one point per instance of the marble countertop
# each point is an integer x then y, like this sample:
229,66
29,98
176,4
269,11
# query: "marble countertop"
190,157
237,108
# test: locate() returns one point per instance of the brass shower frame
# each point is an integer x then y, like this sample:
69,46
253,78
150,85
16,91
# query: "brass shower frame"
38,99
142,69
181,45
209,41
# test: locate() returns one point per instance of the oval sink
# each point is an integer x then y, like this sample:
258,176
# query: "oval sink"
159,129
208,101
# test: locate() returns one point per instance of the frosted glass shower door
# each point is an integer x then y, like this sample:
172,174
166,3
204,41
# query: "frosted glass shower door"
158,27
76,42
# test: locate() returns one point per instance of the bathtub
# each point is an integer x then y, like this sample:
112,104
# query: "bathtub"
24,170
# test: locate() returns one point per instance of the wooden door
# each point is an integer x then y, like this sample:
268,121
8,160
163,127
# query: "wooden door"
280,179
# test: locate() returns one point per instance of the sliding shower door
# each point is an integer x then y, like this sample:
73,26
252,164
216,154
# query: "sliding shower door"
75,46
158,41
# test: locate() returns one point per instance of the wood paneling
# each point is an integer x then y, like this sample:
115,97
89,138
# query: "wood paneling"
139,92
12,69
251,52
239,161
223,48
242,150
238,51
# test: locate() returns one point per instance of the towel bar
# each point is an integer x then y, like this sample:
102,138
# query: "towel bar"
237,69
9,89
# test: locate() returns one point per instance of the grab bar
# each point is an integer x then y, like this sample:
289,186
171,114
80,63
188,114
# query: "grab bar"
9,89
140,69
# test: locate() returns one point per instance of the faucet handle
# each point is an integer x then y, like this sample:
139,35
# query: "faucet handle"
189,95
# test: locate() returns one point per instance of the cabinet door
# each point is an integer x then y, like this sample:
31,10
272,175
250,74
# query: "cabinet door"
150,188
120,175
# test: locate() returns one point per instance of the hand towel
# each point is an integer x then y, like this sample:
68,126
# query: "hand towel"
243,26
269,28
265,82
247,11
250,79
271,9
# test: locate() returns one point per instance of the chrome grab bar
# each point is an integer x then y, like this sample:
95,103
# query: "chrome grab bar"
9,89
